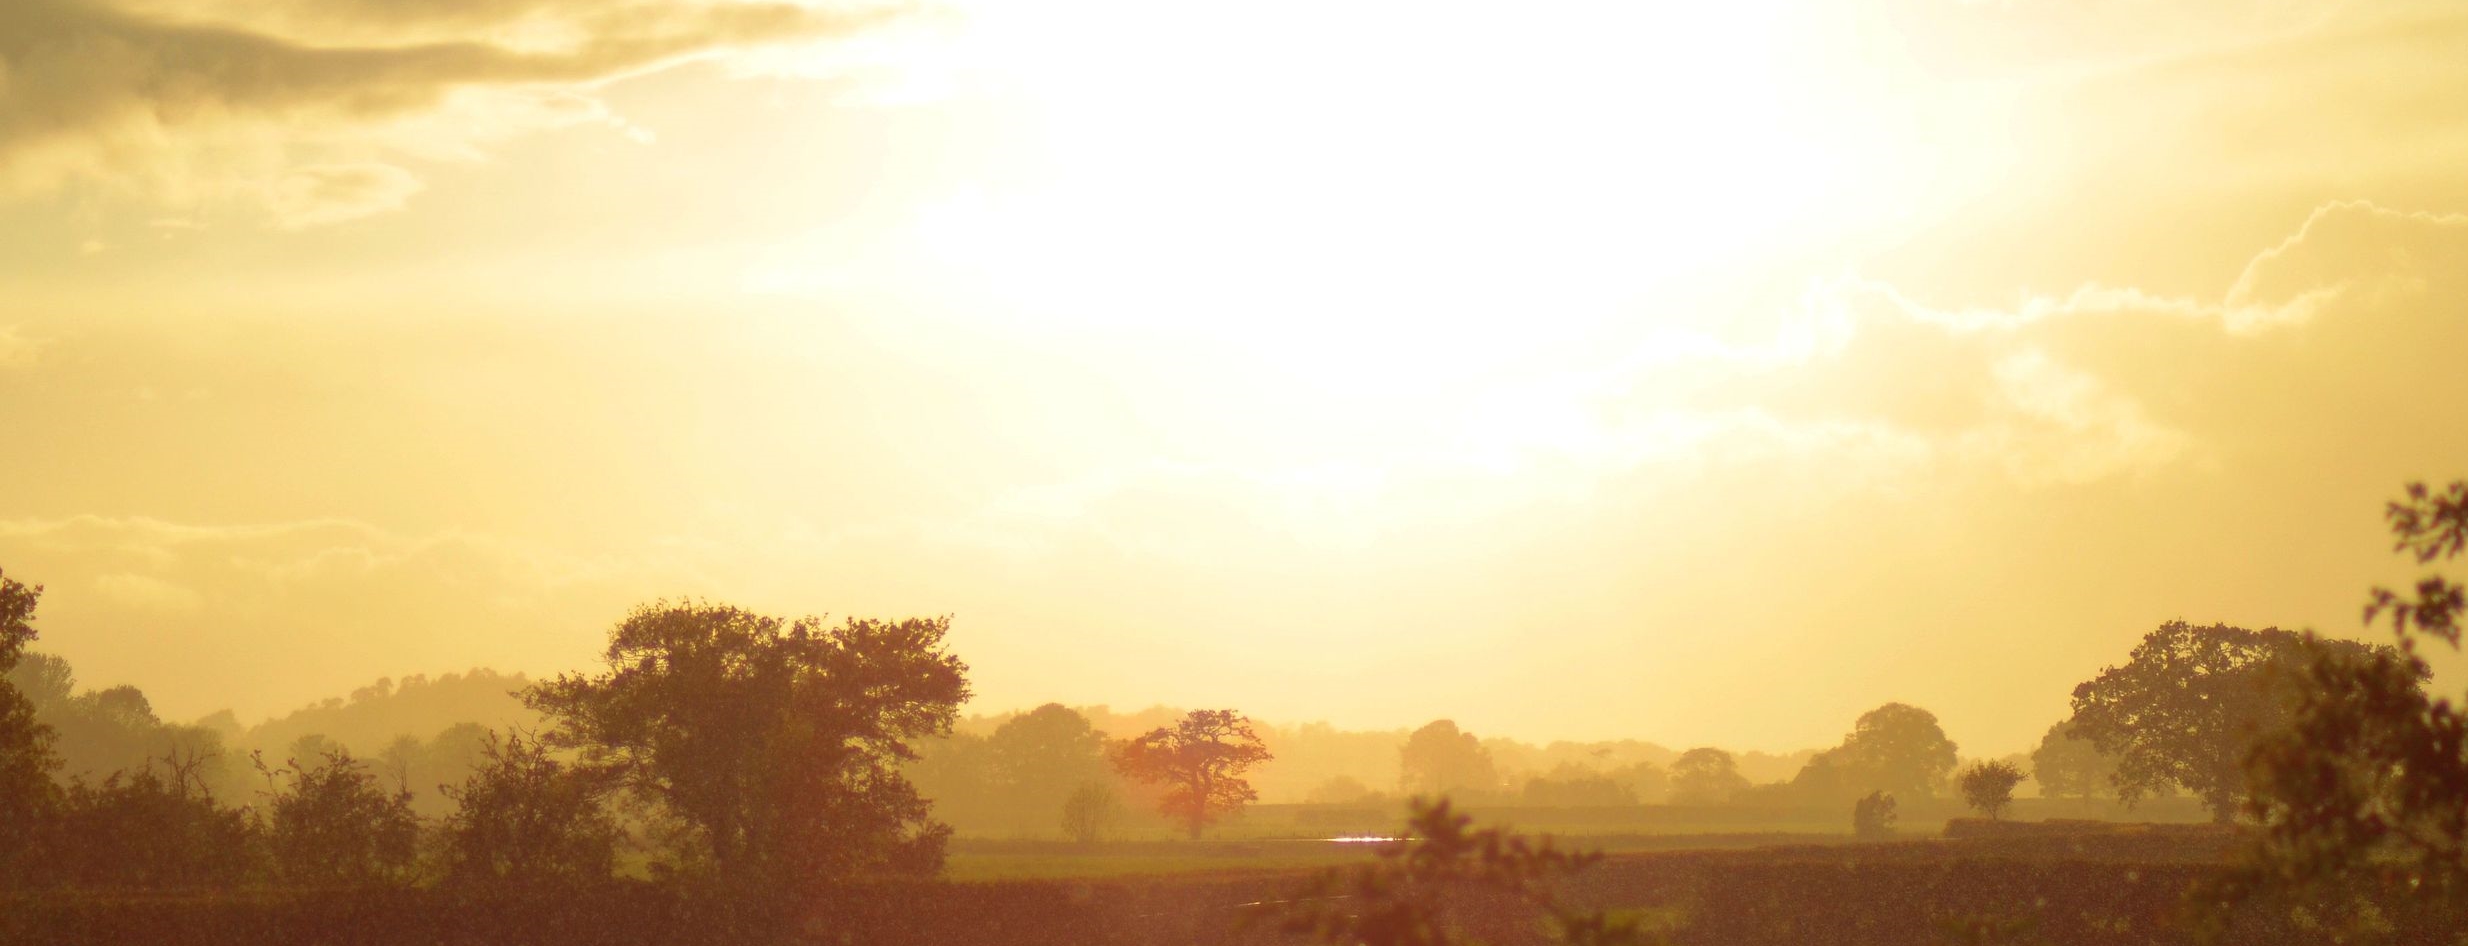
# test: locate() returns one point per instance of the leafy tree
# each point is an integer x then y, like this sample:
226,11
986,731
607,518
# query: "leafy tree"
778,743
2363,795
1200,761
1439,759
1872,817
1445,878
1043,756
333,824
2187,706
1895,748
143,829
1989,786
26,758
527,819
2068,765
1704,775
1089,810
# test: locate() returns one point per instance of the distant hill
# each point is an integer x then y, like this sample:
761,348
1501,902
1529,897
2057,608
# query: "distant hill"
374,716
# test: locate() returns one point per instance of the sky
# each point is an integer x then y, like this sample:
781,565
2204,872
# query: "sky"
1706,373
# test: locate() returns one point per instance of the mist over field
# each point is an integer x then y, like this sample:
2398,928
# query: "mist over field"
1356,472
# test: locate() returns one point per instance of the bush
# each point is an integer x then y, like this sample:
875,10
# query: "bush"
1873,816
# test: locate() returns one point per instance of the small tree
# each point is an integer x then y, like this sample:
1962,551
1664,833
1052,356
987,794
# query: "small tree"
1872,817
1089,811
527,819
1427,889
1989,786
334,825
1200,761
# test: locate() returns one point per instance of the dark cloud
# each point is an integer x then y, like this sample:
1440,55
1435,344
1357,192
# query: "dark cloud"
90,90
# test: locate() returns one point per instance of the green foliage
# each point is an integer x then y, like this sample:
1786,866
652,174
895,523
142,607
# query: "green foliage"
334,825
2363,795
778,744
1873,816
527,819
2187,706
1989,787
1200,761
1705,776
1425,890
1088,811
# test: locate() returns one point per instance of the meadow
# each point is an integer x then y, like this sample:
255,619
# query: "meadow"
2086,885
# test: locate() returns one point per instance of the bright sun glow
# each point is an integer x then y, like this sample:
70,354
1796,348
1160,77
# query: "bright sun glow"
1362,181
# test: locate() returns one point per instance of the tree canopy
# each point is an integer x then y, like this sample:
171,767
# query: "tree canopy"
778,742
1200,761
1706,775
1439,759
1896,748
2360,794
2187,706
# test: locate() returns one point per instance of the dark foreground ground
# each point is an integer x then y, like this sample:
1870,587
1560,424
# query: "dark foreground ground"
2117,887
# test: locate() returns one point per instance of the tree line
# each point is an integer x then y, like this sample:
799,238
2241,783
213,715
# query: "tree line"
752,753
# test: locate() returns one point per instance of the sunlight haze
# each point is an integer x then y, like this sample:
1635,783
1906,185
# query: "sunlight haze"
1706,374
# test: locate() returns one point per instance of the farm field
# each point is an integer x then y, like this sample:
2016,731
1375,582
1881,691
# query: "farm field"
2111,887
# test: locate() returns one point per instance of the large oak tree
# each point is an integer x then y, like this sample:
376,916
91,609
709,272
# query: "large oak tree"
1200,760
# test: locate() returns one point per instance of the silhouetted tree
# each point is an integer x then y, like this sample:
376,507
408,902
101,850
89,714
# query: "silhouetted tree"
26,759
2068,765
1200,761
333,824
2186,708
1444,878
1989,787
1088,812
143,829
1873,816
1704,776
779,743
2363,794
528,819
1438,759
1895,748
1042,757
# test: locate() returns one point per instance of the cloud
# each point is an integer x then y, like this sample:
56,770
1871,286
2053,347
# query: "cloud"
323,194
185,106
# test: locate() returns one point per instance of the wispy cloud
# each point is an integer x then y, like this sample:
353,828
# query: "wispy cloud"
193,101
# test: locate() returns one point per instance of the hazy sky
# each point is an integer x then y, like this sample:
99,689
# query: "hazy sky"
1695,372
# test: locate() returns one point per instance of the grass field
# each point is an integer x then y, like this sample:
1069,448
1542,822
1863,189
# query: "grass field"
2078,886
